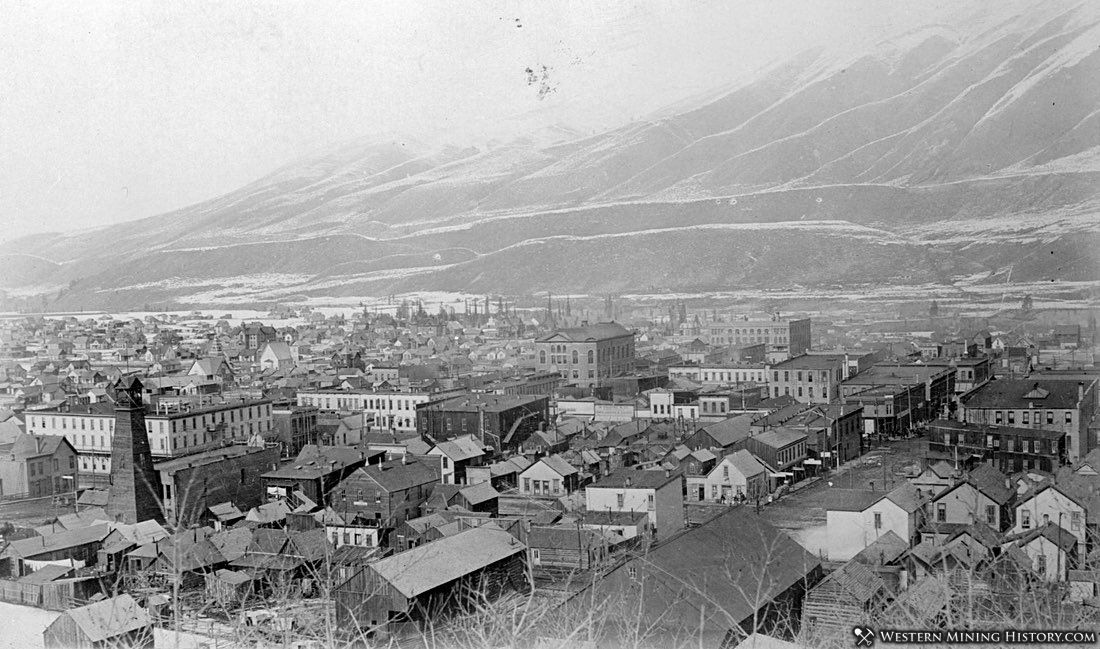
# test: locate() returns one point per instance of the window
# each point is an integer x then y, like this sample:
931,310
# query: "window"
619,501
1069,417
557,486
1025,519
1025,417
1075,521
991,514
1050,417
446,462
1041,564
1012,416
651,503
941,513
576,357
535,554
527,485
632,571
591,356
878,520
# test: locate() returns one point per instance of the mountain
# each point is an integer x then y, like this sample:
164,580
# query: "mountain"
948,155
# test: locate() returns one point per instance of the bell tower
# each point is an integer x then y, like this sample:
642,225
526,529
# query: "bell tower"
135,488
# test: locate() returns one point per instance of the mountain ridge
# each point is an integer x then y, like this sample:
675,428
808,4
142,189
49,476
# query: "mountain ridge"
913,146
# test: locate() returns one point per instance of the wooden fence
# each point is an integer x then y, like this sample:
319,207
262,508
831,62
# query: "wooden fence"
54,595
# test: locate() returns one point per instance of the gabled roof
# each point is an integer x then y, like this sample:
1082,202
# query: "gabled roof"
745,462
857,580
905,496
1059,536
728,432
476,494
395,475
37,545
110,618
557,464
991,482
884,551
736,558
634,479
446,560
851,500
461,448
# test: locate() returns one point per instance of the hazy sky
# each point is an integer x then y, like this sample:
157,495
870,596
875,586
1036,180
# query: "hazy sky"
117,110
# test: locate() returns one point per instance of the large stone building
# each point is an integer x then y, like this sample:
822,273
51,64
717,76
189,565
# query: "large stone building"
587,356
191,484
791,336
174,431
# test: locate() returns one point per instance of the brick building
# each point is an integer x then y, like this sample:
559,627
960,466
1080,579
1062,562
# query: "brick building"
1011,449
587,356
1050,404
808,378
791,336
192,483
495,420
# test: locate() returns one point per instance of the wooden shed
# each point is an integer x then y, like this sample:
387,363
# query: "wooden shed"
846,597
411,586
116,622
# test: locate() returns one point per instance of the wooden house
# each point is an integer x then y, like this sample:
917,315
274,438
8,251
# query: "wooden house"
415,585
116,622
845,598
566,549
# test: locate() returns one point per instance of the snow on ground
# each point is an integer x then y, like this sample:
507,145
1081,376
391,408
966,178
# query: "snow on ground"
23,627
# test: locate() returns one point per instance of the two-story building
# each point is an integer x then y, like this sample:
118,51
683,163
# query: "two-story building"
385,495
37,465
456,455
587,356
736,477
549,476
392,409
659,494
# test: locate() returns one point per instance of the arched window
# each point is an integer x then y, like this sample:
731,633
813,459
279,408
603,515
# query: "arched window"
591,356
576,357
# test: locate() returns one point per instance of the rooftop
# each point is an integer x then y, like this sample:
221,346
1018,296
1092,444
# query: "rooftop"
203,458
448,559
634,479
590,333
1026,393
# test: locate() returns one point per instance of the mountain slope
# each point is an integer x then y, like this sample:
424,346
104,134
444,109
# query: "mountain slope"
945,153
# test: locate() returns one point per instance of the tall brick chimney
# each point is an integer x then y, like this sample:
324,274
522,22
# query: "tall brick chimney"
135,488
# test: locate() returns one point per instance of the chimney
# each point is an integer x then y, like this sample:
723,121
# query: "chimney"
668,473
405,458
1080,391
628,481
